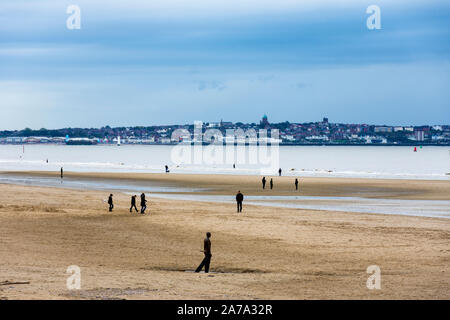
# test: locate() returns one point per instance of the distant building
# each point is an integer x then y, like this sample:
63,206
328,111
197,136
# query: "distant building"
14,140
214,124
264,123
383,129
419,135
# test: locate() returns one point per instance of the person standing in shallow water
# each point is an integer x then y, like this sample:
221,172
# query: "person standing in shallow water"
271,183
239,200
279,172
133,203
207,251
296,184
110,202
143,203
263,182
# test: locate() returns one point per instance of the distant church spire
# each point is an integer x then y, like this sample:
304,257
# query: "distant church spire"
264,123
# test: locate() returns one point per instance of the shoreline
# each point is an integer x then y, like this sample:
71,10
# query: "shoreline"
412,144
218,184
367,196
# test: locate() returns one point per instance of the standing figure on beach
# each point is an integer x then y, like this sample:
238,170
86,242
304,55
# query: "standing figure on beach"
207,251
110,202
62,173
271,183
239,199
143,203
279,172
264,182
133,203
296,184
167,168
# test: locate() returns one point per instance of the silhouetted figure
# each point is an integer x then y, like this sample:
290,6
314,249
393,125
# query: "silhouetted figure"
264,182
62,173
296,184
271,183
167,169
234,166
239,199
133,203
110,202
143,203
207,251
279,172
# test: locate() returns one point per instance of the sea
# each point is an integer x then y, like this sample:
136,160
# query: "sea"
382,162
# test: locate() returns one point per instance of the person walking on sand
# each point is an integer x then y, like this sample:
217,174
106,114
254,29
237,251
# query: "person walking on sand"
264,182
271,183
207,251
110,202
143,203
62,173
133,204
239,199
279,172
296,184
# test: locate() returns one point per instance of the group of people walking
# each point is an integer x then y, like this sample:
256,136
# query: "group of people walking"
207,242
240,196
271,183
133,203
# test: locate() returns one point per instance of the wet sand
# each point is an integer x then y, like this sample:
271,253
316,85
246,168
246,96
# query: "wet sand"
283,186
265,253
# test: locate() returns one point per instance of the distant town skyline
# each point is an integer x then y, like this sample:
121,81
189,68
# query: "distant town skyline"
144,63
226,120
289,133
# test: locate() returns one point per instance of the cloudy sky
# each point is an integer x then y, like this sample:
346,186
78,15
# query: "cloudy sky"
175,61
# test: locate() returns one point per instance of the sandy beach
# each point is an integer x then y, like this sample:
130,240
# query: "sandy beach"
284,185
264,253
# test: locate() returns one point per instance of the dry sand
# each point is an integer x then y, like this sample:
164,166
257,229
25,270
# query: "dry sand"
265,253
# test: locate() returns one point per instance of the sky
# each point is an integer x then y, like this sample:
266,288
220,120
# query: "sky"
139,63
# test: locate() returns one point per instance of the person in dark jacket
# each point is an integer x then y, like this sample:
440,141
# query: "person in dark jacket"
110,202
133,203
271,183
239,199
264,182
296,184
279,172
207,251
143,203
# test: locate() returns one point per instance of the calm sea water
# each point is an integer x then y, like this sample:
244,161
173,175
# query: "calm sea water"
322,161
